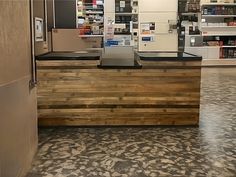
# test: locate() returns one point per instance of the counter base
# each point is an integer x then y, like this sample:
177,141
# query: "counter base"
76,93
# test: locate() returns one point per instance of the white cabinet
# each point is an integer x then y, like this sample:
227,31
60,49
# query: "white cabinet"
158,6
109,6
156,21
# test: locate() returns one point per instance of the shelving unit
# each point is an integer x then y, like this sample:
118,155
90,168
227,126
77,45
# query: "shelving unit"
190,13
90,18
190,18
216,22
120,32
128,14
219,28
217,16
220,4
124,18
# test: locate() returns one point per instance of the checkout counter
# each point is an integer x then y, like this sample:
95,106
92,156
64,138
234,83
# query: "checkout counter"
80,91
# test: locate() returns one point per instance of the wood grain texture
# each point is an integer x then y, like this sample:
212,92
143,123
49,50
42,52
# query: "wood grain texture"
74,93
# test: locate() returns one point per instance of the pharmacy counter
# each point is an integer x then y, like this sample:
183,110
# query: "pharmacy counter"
164,91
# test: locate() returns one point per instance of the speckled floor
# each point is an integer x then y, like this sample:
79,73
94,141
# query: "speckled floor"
208,150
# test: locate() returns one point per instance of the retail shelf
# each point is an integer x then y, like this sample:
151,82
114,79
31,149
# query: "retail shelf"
86,36
218,4
190,13
227,46
205,16
85,3
210,47
101,22
218,33
218,26
202,47
193,35
120,14
118,34
192,47
100,13
92,8
92,14
224,33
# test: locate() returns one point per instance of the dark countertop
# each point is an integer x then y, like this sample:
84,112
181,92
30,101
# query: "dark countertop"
80,55
168,56
156,57
95,55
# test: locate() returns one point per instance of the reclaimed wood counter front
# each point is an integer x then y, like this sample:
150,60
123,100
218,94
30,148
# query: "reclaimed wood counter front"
77,93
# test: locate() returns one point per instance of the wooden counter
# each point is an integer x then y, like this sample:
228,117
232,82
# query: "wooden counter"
77,93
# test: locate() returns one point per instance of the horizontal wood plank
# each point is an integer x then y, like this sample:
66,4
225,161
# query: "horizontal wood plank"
78,93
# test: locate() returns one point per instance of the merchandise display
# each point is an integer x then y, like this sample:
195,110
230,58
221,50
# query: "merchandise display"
120,33
219,27
90,17
190,34
202,27
191,6
212,32
121,22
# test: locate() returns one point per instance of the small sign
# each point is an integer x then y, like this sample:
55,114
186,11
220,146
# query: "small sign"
145,28
148,39
122,4
109,35
39,30
148,28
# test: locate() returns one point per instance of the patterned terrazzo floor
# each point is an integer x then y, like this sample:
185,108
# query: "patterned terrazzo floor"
208,150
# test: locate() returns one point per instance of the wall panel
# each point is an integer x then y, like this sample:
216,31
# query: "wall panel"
18,113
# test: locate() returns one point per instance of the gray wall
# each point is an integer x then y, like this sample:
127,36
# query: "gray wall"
18,110
41,47
50,14
65,11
